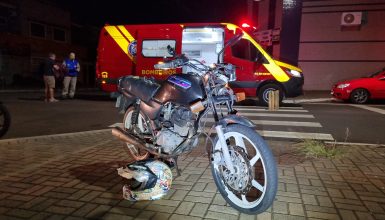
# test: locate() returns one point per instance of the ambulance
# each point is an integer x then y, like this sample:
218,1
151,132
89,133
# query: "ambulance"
134,49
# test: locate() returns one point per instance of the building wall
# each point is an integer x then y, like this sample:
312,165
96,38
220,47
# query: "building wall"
21,53
329,54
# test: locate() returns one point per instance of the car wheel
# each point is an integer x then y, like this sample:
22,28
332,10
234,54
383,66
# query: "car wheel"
359,96
263,93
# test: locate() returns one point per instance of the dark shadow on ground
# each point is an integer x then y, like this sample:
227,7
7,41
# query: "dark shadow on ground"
99,174
104,175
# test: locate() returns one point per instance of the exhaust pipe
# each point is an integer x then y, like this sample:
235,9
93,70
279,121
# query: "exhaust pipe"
126,137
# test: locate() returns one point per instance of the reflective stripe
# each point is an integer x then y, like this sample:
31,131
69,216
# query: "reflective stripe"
126,33
119,39
278,73
286,65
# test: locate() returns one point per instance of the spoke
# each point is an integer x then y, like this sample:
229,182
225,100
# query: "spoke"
239,141
244,200
254,159
257,185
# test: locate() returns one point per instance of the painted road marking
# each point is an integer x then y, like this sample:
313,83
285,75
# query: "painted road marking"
282,123
369,108
289,134
266,110
296,135
288,112
276,115
260,107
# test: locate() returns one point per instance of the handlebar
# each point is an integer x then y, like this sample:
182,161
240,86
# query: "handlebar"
228,70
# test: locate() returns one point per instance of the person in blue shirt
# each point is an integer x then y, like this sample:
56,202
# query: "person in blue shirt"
72,67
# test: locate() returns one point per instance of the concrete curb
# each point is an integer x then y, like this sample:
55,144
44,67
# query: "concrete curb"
297,101
50,136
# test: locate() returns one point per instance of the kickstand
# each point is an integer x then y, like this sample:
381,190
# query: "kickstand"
176,167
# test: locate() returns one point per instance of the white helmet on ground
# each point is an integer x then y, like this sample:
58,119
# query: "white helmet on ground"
152,180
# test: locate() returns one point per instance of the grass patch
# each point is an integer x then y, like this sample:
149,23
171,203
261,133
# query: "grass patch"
318,149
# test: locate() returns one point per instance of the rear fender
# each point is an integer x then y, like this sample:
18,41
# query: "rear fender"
236,119
124,103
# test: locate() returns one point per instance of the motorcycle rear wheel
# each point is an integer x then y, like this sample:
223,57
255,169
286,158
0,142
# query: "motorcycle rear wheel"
259,180
135,152
5,120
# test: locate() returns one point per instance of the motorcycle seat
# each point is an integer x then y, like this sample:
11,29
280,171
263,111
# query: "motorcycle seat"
142,88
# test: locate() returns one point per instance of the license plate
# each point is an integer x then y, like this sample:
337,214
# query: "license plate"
118,100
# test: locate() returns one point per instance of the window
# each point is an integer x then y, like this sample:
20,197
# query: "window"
244,49
157,48
59,35
37,30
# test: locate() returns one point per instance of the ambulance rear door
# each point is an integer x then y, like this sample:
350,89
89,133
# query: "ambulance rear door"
203,44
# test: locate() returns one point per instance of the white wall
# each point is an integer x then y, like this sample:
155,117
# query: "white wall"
329,54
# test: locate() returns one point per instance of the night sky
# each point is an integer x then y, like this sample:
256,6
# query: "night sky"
152,11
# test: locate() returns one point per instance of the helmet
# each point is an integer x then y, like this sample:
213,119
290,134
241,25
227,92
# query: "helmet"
152,180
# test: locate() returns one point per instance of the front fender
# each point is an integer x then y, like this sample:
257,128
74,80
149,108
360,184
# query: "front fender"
236,119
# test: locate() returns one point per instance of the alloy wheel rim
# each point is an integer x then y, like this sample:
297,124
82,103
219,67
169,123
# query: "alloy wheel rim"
243,202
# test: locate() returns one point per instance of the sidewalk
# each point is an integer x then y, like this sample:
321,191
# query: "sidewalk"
74,177
311,96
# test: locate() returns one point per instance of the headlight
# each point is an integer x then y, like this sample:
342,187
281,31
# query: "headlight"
294,73
342,86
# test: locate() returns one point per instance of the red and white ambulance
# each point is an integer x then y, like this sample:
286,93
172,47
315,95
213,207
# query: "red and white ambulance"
134,49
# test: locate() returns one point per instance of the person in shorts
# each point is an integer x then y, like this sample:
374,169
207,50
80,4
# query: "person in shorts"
49,77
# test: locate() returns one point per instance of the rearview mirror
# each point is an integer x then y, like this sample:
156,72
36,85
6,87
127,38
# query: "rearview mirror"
171,50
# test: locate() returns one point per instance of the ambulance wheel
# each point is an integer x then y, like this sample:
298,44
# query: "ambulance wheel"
263,93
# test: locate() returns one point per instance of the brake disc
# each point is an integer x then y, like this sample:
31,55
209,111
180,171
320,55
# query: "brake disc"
240,181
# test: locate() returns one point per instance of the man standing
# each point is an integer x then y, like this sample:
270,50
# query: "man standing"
73,68
49,77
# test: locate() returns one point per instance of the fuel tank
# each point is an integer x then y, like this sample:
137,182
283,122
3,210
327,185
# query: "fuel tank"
182,89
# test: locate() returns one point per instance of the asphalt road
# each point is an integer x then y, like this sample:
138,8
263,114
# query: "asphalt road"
350,123
31,116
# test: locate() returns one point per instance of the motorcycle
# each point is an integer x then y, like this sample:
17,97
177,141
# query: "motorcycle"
5,119
165,121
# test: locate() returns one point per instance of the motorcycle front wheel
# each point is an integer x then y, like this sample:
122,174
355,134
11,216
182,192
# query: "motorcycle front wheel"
251,189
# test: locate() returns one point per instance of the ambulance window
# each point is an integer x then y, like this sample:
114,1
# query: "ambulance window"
244,49
157,48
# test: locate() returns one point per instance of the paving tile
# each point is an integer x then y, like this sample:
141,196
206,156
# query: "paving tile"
22,213
220,216
296,209
199,210
322,215
184,208
184,217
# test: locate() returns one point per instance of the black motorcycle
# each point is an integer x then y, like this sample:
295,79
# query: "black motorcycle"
165,120
5,119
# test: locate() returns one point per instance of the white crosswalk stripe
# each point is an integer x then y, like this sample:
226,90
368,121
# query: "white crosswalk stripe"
279,110
282,123
287,123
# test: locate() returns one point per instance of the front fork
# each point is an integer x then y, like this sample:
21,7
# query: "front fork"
223,148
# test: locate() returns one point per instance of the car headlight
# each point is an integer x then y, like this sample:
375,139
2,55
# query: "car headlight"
342,86
294,73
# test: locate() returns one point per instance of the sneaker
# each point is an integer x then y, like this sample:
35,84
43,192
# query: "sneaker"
53,100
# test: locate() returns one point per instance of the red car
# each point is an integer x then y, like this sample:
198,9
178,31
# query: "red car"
360,90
